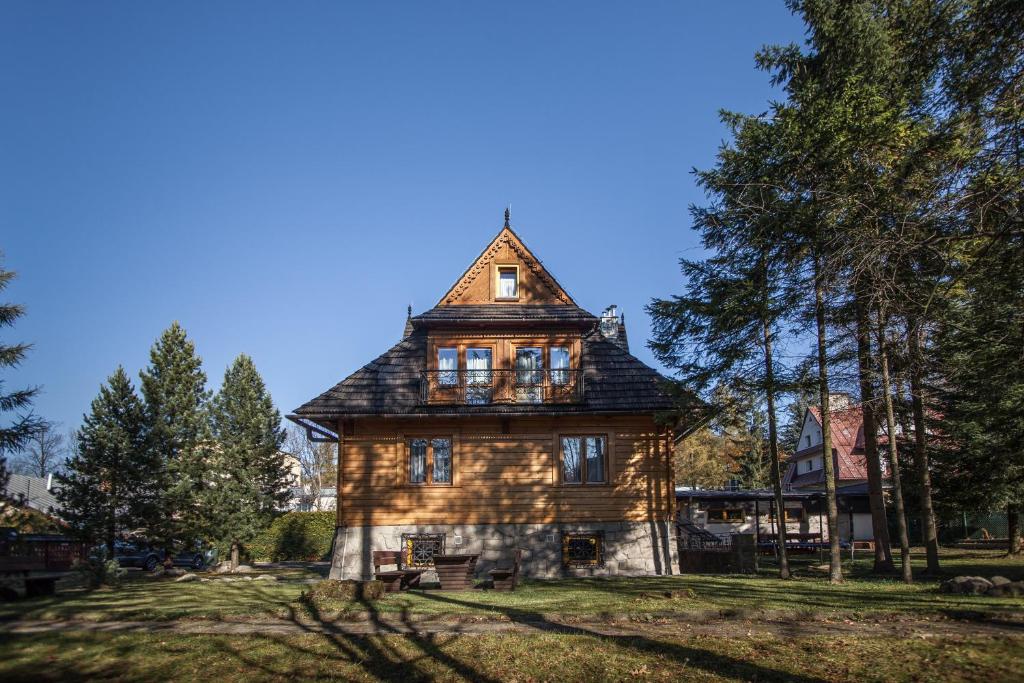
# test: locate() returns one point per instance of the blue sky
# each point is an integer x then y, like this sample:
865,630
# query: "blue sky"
284,178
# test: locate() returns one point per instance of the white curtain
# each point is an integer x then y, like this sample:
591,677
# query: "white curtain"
595,459
507,284
478,376
559,365
447,365
418,461
442,461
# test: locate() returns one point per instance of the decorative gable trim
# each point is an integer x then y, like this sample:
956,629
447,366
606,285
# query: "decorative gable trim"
483,263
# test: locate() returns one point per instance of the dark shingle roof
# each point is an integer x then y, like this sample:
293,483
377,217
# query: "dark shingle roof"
545,313
614,382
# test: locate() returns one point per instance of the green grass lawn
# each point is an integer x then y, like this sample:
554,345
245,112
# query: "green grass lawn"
522,657
667,649
145,599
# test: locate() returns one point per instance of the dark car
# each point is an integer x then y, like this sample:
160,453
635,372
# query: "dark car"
137,554
196,557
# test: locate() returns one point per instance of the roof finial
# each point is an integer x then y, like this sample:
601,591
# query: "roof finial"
508,216
408,311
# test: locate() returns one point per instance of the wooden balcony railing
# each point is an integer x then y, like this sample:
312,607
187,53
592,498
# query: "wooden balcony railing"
487,387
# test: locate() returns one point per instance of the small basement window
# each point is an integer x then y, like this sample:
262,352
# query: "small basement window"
582,550
508,282
418,550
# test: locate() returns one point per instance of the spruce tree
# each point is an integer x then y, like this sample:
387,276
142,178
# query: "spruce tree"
249,479
15,433
109,485
175,398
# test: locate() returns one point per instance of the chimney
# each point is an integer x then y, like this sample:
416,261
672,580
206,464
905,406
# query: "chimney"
613,327
49,481
838,400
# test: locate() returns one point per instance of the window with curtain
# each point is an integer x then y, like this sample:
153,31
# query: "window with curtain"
478,376
584,460
430,461
508,283
559,365
442,471
448,367
530,375
595,459
418,461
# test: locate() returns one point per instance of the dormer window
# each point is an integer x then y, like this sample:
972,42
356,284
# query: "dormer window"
508,282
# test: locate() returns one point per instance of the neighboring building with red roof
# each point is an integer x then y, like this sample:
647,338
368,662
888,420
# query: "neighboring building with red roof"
806,471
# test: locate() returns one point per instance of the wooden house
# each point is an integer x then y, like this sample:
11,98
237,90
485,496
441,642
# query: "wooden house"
506,417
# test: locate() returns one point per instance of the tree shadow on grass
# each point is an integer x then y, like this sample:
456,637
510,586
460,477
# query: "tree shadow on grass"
370,653
710,662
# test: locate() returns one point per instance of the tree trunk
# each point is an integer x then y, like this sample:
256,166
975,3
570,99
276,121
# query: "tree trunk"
924,477
894,461
111,537
835,564
876,500
234,555
773,450
1013,541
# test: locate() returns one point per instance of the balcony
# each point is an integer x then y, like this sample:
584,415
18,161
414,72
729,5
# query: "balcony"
490,387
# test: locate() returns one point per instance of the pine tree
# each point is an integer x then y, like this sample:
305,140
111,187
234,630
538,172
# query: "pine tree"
109,485
15,434
175,397
249,479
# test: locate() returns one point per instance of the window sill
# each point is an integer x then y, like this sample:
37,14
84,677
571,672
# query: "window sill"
412,485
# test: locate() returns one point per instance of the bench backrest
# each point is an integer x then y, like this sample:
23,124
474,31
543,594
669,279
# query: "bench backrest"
386,557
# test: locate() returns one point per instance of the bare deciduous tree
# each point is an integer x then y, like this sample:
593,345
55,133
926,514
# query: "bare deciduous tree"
44,453
317,468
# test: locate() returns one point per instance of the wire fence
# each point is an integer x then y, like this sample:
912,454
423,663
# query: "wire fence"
965,526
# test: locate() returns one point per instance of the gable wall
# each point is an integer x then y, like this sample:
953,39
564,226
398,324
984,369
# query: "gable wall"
478,285
812,429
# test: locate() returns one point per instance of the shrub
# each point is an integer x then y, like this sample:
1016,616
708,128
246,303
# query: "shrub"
98,571
303,536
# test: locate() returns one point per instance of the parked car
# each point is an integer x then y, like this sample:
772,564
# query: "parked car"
137,554
196,557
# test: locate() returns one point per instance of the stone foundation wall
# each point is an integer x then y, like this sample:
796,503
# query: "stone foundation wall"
630,548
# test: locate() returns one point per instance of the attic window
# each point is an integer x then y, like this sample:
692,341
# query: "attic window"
508,282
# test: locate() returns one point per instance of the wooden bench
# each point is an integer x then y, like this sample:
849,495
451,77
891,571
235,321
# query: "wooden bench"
505,579
396,579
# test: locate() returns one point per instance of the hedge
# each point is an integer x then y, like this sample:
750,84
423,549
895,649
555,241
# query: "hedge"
295,536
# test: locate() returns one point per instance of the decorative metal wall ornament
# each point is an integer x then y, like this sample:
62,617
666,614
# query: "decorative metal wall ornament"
418,550
583,550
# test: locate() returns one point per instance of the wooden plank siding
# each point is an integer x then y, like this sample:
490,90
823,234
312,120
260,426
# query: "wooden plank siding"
504,471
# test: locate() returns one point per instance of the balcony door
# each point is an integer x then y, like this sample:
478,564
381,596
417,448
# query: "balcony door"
479,378
530,375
